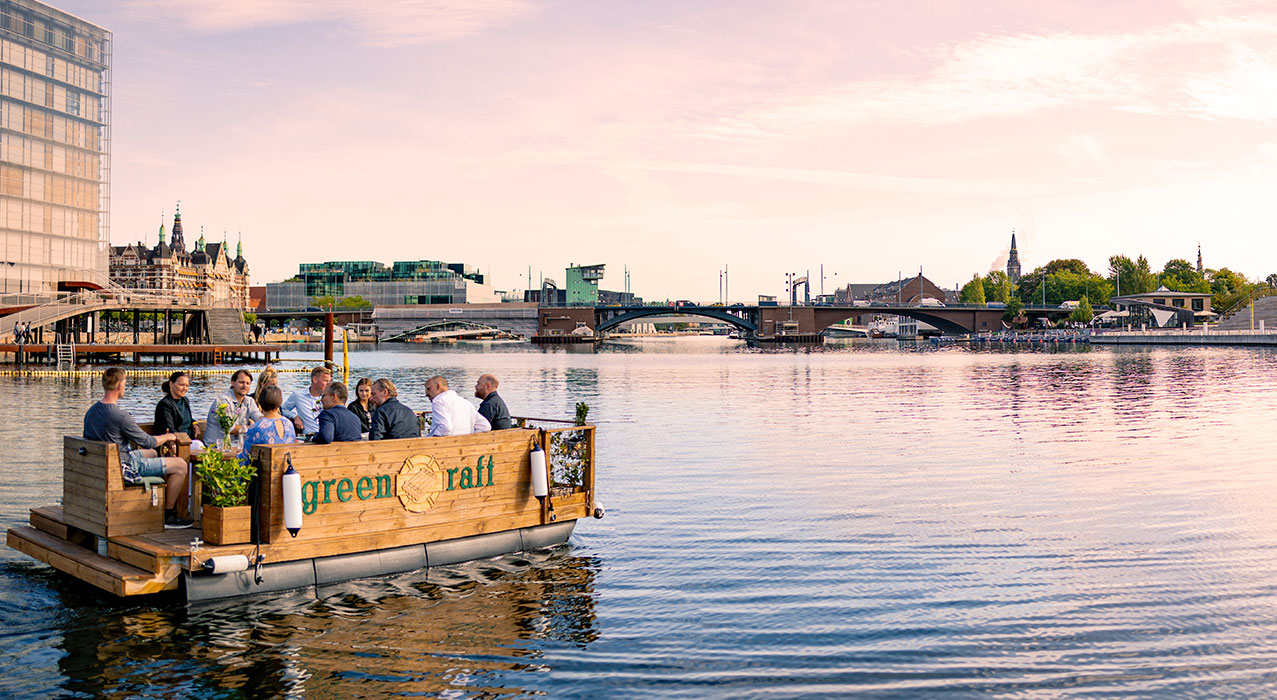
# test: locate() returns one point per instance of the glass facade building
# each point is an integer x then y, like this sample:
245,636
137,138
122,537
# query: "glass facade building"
55,118
410,282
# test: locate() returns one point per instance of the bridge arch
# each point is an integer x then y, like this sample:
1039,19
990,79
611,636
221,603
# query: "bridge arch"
626,314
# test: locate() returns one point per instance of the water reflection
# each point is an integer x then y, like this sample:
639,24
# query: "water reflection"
475,630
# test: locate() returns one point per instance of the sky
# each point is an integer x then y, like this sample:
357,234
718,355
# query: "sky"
680,138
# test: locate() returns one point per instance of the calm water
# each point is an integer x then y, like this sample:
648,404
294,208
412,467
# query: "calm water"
780,524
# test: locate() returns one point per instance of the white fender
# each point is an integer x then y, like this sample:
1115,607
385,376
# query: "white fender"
540,477
292,489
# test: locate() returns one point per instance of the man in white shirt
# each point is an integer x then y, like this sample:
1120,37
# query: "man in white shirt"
451,414
304,405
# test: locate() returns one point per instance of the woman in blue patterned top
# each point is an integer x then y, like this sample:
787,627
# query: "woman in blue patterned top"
271,428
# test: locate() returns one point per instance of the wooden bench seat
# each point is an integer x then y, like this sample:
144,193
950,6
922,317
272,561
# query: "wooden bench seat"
95,497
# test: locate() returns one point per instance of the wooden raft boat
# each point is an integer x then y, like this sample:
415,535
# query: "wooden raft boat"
370,509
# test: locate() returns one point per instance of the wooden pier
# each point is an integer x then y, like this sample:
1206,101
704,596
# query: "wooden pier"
44,353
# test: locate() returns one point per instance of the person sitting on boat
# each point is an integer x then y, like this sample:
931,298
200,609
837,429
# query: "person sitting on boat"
105,421
268,377
304,406
271,428
362,406
173,412
391,420
493,406
451,414
337,423
238,405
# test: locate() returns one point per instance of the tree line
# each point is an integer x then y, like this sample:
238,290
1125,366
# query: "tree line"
1070,280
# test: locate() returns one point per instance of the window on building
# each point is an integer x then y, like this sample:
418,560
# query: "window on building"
1177,302
1198,304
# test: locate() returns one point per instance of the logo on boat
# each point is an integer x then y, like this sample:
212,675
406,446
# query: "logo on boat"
420,481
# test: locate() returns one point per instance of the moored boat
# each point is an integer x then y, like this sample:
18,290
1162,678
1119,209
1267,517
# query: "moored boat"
366,509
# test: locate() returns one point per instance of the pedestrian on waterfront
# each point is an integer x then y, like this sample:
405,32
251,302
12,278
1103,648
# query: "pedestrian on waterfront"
337,423
173,412
493,407
105,421
362,406
304,405
236,403
257,332
268,377
271,428
451,414
26,333
391,420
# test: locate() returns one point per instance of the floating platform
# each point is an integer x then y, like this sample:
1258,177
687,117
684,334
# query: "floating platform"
204,353
369,509
566,339
1199,337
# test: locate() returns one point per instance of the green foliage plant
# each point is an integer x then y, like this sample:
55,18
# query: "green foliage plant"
225,478
972,292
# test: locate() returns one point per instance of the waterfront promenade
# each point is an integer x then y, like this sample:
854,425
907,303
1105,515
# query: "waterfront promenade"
1185,337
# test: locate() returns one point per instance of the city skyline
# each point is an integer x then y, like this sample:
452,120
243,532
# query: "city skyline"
674,140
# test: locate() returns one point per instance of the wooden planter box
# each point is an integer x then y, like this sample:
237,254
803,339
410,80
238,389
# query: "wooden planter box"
228,525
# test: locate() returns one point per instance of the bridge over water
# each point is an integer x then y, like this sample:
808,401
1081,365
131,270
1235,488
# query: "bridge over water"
769,322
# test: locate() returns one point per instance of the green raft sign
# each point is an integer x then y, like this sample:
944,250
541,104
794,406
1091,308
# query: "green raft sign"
367,488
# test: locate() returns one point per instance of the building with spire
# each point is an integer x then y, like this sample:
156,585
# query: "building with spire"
206,276
1013,262
1200,269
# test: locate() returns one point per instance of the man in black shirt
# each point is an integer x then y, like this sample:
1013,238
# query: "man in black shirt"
493,407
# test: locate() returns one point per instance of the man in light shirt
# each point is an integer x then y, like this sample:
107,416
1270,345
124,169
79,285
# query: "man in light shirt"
451,414
305,405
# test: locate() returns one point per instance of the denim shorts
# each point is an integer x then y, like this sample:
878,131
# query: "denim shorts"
146,466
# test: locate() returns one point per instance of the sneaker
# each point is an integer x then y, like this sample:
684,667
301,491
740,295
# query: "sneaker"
173,521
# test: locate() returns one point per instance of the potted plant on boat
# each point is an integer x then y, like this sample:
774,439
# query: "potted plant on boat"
227,515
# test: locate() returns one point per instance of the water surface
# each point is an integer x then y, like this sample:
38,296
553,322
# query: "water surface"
781,524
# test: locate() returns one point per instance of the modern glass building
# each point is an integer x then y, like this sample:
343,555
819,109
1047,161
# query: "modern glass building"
55,165
409,282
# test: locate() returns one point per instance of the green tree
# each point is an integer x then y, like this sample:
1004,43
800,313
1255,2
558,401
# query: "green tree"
998,287
1131,276
355,302
1180,276
1015,307
326,302
1083,313
1271,280
1228,287
972,292
1064,280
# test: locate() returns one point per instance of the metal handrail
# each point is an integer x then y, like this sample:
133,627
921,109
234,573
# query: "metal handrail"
1258,293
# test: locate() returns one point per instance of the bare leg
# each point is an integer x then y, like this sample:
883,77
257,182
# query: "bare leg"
175,477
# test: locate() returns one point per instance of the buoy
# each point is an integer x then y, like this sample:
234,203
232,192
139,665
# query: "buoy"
540,481
226,564
292,485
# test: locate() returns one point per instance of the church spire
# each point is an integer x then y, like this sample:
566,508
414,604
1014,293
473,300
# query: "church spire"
1013,261
239,247
1200,271
179,243
161,228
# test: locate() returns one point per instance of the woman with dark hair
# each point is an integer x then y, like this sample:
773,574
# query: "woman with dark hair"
173,412
362,405
271,428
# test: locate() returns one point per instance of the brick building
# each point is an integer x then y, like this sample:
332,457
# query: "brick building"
207,275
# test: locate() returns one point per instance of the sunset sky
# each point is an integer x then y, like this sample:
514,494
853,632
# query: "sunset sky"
679,137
